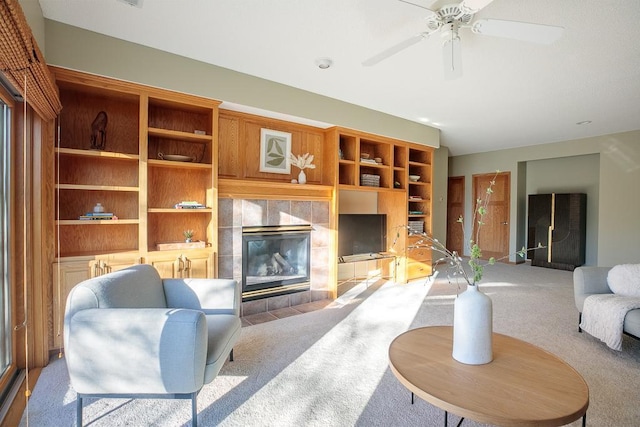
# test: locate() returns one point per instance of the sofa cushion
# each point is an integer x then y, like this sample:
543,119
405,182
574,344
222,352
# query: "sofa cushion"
624,280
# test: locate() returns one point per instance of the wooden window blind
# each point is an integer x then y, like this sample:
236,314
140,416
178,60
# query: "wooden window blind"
21,58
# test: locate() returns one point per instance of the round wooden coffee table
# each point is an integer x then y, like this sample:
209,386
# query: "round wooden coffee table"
523,385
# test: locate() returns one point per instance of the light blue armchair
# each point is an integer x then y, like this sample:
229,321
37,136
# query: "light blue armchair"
132,334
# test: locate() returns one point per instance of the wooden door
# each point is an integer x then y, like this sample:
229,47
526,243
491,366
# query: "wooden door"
455,209
494,233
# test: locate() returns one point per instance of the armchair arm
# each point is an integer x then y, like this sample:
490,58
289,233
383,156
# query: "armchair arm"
211,296
589,281
136,351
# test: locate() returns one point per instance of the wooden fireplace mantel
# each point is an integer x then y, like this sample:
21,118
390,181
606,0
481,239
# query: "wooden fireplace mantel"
255,189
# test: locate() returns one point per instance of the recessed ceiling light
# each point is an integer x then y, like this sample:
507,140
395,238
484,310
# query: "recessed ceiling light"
136,3
324,63
584,122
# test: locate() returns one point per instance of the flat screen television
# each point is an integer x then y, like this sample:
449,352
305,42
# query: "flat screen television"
361,234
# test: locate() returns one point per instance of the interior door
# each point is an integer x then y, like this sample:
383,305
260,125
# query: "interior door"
494,233
455,209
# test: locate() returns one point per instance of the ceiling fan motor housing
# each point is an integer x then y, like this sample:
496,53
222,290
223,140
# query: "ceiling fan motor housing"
448,15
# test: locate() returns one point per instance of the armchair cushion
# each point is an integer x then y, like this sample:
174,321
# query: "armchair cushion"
223,332
211,296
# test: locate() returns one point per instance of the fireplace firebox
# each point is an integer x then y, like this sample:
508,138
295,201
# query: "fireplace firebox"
275,260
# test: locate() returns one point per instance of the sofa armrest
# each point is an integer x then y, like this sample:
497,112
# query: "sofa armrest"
129,351
589,281
211,296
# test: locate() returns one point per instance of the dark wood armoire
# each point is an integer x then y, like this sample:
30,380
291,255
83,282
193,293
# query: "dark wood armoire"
559,222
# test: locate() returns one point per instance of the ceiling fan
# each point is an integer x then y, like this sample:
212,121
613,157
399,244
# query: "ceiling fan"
449,19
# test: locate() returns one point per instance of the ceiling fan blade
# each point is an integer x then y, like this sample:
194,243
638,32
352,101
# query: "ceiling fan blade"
395,49
524,31
420,3
473,6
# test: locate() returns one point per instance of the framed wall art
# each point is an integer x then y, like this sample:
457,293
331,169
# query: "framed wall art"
275,149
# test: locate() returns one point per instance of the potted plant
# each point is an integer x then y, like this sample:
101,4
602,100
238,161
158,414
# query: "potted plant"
188,234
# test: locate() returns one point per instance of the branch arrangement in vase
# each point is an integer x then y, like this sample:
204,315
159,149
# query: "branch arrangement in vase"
452,258
302,162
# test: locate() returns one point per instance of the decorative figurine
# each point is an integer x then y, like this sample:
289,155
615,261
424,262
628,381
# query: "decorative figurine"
99,131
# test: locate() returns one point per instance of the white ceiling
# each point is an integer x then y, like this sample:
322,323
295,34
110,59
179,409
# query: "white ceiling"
511,94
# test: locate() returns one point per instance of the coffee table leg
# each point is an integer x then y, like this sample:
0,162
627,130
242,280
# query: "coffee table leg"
446,420
584,420
412,398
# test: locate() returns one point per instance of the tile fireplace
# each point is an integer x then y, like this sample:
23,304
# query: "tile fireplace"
261,217
275,260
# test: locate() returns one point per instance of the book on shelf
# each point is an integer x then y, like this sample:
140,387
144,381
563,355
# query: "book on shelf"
97,216
189,205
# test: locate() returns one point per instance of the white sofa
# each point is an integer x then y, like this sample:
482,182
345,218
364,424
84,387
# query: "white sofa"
132,334
593,281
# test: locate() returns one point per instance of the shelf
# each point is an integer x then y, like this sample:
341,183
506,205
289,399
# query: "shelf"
96,187
95,153
178,165
373,165
179,211
365,188
182,136
412,163
97,222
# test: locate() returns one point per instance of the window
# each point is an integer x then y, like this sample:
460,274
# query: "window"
6,353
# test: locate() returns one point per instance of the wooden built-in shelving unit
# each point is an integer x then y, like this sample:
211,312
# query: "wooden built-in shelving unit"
130,180
133,179
396,161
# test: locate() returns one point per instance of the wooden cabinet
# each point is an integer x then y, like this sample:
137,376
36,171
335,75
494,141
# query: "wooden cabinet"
65,276
195,264
559,222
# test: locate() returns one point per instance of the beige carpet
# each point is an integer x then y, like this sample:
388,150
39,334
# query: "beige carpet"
330,367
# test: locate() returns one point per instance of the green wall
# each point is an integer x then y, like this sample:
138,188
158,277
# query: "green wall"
79,49
613,222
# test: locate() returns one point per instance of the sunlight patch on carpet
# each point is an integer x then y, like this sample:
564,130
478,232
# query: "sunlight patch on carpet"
358,343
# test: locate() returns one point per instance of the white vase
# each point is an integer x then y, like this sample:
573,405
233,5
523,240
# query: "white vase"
473,327
302,177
